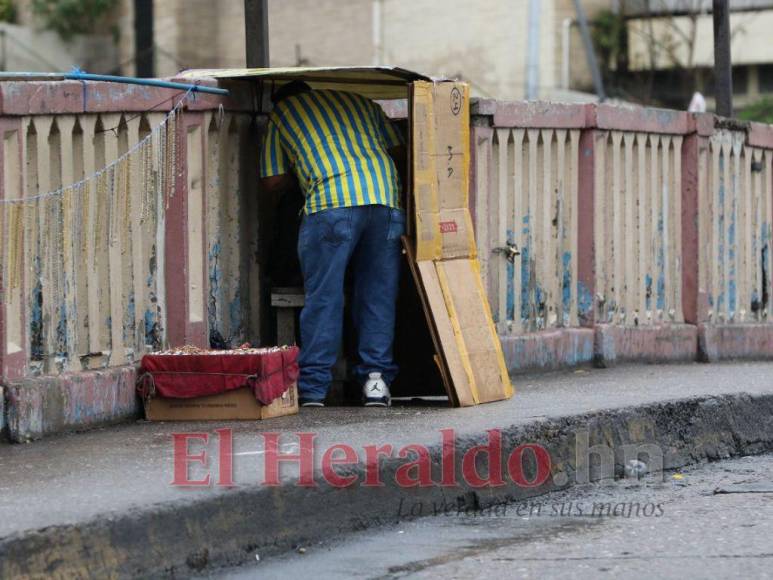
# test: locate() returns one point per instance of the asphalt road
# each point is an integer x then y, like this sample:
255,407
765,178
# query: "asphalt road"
708,521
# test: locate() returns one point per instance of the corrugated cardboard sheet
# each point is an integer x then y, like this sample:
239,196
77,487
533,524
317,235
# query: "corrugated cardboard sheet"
446,264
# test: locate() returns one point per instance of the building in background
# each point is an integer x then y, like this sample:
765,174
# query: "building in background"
483,42
650,51
181,34
665,50
26,44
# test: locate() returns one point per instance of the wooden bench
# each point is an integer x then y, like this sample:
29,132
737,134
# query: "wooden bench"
286,302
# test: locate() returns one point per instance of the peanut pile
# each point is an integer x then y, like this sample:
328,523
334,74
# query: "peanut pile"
245,348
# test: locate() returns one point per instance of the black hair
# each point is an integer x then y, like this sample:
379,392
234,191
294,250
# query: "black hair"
289,90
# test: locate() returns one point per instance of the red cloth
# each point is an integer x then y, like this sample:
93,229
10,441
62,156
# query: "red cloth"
186,376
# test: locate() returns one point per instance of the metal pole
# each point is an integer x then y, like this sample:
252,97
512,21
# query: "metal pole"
590,53
723,71
143,39
532,51
4,42
256,33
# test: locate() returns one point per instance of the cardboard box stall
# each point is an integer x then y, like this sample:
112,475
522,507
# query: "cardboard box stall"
440,244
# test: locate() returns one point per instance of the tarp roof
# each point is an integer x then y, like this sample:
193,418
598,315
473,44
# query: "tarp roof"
374,82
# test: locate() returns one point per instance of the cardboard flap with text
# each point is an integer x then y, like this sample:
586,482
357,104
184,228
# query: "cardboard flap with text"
446,265
441,161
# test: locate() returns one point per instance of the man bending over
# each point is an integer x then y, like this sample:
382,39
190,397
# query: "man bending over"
341,148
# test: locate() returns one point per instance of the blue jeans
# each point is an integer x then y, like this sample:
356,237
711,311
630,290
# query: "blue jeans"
368,238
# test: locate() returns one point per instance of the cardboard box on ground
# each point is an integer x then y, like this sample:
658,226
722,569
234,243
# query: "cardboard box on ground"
239,404
244,383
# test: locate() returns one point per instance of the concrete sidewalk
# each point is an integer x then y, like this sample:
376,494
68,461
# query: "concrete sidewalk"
101,502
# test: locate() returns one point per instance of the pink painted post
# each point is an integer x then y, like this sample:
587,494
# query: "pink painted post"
12,364
195,133
3,341
176,260
586,271
184,273
690,257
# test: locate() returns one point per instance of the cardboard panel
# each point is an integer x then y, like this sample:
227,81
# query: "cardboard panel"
429,291
424,173
477,338
447,269
287,404
462,391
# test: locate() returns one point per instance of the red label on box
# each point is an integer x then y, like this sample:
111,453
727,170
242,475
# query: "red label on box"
448,227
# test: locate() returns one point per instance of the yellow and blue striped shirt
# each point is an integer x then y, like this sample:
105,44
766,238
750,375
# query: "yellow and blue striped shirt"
337,143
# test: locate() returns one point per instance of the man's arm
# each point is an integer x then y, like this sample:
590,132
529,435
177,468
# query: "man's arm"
276,175
278,183
399,155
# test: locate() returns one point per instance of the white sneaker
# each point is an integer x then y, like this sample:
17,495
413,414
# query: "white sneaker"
375,392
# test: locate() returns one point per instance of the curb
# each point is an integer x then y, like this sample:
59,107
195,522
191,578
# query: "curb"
36,407
548,349
752,341
230,529
656,344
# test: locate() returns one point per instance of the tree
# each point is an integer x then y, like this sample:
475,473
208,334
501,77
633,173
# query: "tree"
665,73
760,111
71,17
7,11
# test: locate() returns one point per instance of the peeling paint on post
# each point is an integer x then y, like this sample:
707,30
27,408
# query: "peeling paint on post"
14,335
527,195
734,274
534,208
223,199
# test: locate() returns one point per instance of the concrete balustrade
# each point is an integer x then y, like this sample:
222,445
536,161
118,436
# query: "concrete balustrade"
91,253
733,192
644,234
527,197
145,254
604,233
